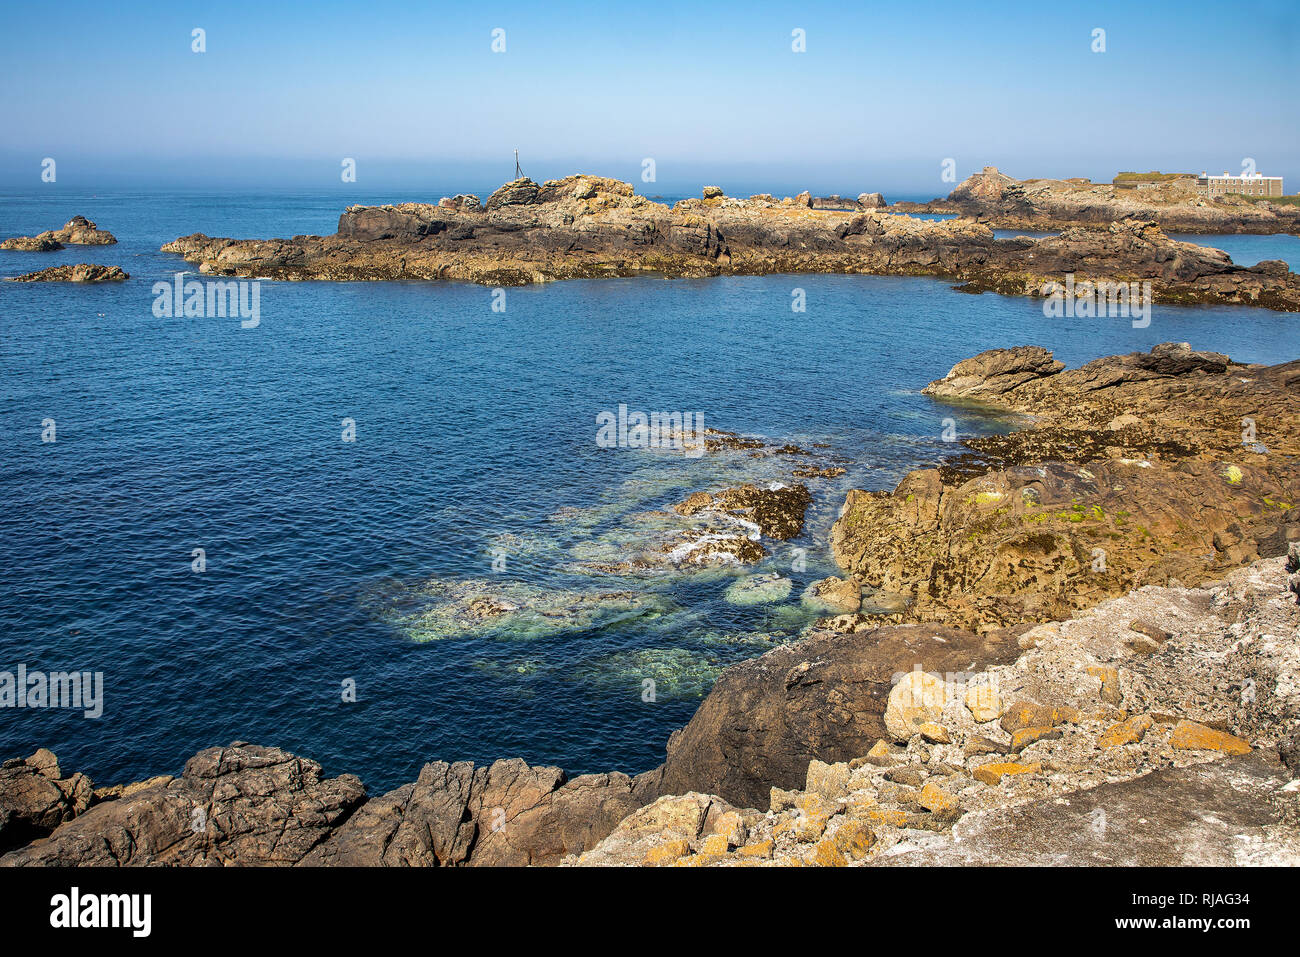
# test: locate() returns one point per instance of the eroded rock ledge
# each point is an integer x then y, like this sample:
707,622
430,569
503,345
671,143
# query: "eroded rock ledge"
81,272
591,227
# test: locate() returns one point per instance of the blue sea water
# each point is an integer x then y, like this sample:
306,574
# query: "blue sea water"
475,437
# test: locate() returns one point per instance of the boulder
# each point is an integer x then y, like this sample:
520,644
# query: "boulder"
35,798
821,698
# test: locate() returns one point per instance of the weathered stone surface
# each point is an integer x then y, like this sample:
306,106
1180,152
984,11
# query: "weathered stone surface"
1129,731
1053,518
244,804
1226,813
834,594
1191,736
819,698
35,798
505,814
918,699
994,772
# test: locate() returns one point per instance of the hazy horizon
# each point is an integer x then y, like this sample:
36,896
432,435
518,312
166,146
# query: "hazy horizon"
878,99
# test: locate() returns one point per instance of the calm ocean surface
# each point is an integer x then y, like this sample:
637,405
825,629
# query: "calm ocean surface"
475,437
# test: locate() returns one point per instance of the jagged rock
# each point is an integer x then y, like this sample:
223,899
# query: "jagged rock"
713,192
505,814
520,192
995,372
35,798
81,272
44,243
666,831
872,201
243,804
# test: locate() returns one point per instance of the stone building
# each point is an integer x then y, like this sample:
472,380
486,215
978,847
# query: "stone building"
1245,184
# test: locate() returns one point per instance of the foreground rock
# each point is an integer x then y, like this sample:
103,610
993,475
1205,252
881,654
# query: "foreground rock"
35,798
78,231
1137,469
1162,727
1174,203
81,272
822,697
592,227
1090,748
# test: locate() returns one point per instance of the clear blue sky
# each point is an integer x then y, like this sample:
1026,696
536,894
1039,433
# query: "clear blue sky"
713,92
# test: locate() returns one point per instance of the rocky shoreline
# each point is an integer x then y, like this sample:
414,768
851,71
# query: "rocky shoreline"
1172,203
593,227
1019,670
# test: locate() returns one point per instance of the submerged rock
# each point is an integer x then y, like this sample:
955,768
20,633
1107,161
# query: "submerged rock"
454,608
759,590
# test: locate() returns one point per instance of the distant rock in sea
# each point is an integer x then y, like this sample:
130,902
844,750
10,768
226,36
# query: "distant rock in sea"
81,272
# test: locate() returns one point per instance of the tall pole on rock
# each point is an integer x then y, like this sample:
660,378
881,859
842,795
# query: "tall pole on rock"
519,174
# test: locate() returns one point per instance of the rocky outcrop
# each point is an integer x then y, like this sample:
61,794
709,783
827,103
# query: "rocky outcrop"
1090,748
1136,469
506,814
821,697
1174,203
256,806
81,272
35,798
591,227
777,511
78,231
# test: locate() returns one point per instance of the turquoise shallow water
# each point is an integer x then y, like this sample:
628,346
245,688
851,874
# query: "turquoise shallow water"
475,438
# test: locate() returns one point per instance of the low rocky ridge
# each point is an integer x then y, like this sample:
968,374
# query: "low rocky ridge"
1137,469
591,227
1175,204
78,231
81,272
1167,721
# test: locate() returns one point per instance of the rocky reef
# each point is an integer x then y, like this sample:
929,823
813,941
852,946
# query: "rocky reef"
591,227
1136,470
1173,203
78,231
81,272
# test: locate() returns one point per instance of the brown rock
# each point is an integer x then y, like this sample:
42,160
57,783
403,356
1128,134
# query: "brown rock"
1190,736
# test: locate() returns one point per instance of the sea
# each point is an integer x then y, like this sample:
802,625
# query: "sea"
252,533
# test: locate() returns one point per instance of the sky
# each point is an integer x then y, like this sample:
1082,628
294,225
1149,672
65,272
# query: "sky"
880,97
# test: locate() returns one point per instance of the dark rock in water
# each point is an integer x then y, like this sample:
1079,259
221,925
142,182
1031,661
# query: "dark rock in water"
81,272
778,511
35,798
822,697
